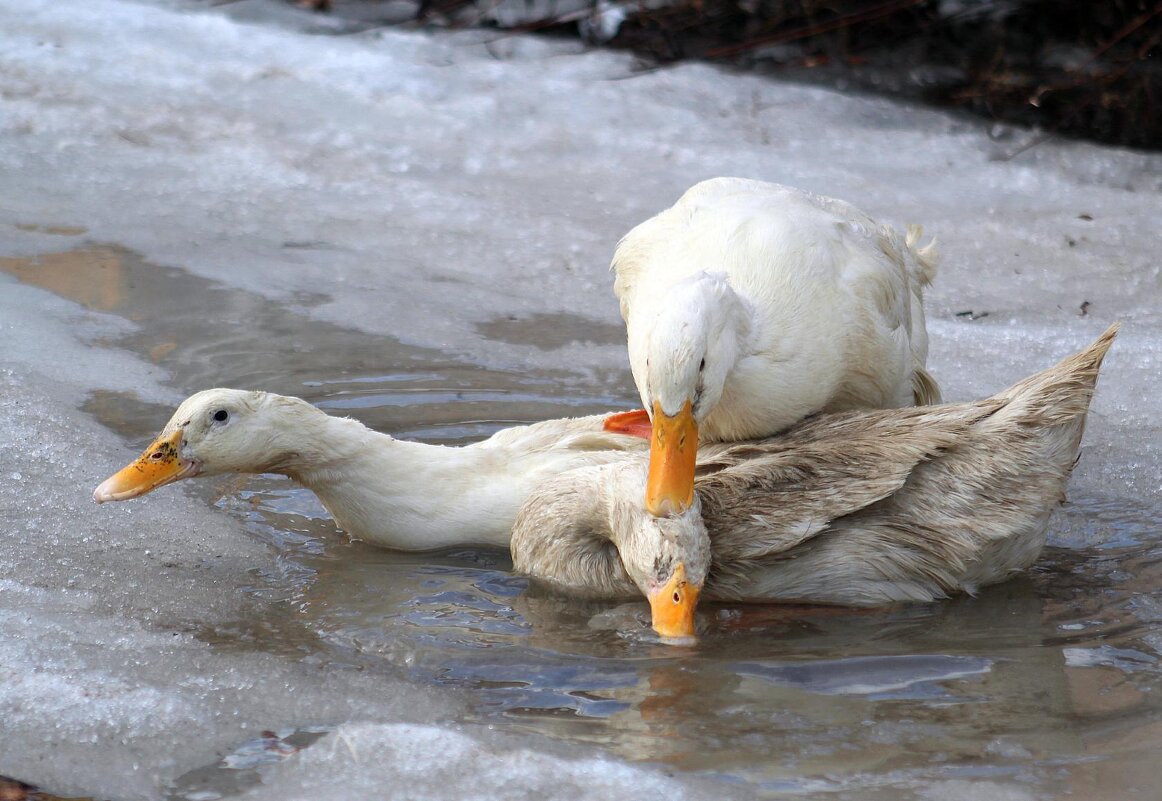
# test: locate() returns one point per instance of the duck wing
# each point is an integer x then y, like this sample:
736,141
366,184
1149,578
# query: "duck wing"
762,499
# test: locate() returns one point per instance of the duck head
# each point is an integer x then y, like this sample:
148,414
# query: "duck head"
214,431
692,346
668,558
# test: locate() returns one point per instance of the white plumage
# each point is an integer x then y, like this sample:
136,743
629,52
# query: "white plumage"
759,305
390,492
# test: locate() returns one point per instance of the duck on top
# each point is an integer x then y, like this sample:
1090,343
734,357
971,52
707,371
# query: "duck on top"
750,305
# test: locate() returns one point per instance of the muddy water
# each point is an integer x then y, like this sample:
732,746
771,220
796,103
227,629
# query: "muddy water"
1044,686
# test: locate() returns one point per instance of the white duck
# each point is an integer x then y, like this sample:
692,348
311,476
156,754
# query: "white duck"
393,493
857,508
750,306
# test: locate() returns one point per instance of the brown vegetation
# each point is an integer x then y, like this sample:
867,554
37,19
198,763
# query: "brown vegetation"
1085,69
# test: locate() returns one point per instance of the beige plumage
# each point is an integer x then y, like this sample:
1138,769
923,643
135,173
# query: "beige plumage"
856,508
749,306
390,492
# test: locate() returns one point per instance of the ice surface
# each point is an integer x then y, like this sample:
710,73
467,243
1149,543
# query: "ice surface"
100,613
418,186
360,760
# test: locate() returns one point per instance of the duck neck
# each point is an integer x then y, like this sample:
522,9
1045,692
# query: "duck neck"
653,548
399,494
564,535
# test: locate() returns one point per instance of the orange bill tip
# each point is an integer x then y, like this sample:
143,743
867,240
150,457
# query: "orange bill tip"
160,464
672,606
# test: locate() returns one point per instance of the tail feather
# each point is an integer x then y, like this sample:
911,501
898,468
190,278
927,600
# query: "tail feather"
927,257
925,391
1062,393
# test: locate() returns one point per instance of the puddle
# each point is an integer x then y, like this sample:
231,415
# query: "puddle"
1048,685
208,335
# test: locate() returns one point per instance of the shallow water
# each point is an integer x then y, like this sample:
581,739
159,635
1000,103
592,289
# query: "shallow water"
1049,684
1046,683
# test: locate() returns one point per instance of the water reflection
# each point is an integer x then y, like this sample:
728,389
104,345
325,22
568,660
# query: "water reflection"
1023,686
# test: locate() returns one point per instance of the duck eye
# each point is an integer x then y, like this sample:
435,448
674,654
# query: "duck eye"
221,416
702,364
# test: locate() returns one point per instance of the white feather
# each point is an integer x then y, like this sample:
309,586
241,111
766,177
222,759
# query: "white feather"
798,304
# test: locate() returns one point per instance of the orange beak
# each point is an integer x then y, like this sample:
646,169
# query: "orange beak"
673,449
672,605
160,464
